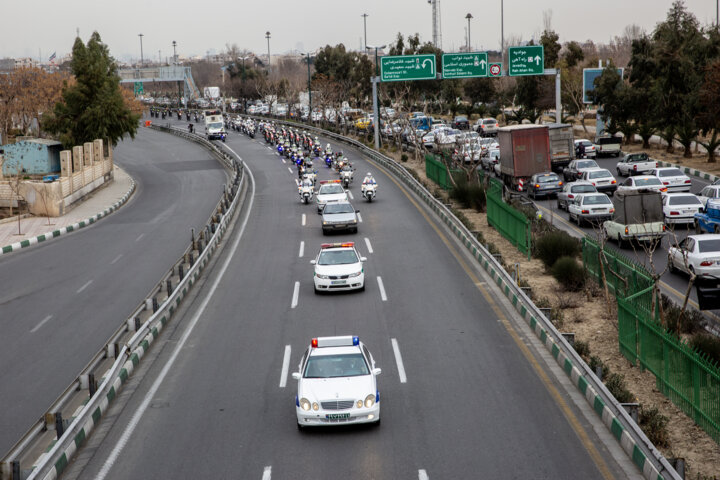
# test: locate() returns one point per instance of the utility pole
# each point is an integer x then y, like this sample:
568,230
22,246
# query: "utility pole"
309,90
468,16
365,15
141,51
376,111
267,35
174,44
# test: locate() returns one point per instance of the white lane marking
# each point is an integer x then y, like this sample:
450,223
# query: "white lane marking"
350,195
285,367
422,475
283,160
79,290
296,294
367,243
398,360
116,259
359,218
132,425
267,473
139,237
302,249
303,220
43,322
382,289
289,169
297,182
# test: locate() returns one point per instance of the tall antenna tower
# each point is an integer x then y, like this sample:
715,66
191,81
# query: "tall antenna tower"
436,30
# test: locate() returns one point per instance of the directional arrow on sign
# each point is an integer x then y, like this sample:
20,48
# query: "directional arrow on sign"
427,60
537,59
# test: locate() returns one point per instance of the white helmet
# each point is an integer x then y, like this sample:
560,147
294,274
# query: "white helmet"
369,174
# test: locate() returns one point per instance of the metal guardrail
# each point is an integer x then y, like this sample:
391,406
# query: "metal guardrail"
632,439
127,354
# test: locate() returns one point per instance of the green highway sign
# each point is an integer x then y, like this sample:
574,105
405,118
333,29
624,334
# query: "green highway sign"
399,68
139,90
464,65
495,69
529,60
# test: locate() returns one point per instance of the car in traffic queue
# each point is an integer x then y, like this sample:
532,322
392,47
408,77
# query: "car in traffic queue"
606,146
601,178
461,122
588,145
590,208
339,216
490,159
575,168
709,192
337,383
487,127
643,182
696,254
673,178
681,207
329,191
635,163
572,190
708,220
338,267
544,185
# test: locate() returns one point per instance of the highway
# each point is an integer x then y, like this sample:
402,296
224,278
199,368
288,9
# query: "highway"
459,397
62,300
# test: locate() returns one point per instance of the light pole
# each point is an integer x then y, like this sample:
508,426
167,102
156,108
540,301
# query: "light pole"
309,89
502,38
174,52
141,52
376,112
365,15
267,35
468,16
242,80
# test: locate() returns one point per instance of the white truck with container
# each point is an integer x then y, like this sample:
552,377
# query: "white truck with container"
214,125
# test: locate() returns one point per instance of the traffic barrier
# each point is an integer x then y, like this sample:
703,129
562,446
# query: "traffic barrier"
53,462
511,223
649,460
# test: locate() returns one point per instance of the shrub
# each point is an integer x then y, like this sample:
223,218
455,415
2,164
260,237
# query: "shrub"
654,424
616,385
477,197
595,362
554,245
569,273
689,322
708,345
582,348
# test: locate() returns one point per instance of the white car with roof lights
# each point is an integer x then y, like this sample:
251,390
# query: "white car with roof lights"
330,191
337,383
338,267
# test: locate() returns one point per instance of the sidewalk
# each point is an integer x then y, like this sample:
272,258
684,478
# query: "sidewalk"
97,205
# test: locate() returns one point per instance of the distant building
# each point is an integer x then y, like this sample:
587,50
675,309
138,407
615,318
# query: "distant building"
32,156
7,64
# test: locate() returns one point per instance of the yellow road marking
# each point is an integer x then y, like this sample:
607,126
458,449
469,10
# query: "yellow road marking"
569,415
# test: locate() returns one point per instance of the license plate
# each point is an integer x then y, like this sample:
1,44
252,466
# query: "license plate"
603,182
337,416
599,210
547,186
337,282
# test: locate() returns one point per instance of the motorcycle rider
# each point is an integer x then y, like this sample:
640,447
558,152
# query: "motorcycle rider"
368,180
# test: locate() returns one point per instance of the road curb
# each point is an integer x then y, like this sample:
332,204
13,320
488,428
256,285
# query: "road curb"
70,228
689,171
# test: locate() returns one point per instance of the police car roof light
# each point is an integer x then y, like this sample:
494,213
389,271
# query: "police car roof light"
340,341
338,245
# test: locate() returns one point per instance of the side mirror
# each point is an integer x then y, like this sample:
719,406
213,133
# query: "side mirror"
363,259
357,211
296,375
376,371
313,262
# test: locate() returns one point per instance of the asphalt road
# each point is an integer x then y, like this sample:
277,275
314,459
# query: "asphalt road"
465,403
61,301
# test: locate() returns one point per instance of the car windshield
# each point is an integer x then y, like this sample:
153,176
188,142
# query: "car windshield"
215,125
583,189
548,179
637,157
587,164
596,200
489,121
670,172
684,200
338,208
331,366
709,245
599,174
647,182
330,189
608,140
337,257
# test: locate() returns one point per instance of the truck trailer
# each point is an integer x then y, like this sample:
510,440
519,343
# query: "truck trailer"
524,151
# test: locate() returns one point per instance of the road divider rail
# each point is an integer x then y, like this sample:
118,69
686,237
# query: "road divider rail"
648,459
120,354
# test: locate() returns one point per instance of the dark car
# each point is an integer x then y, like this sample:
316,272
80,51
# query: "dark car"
461,122
544,185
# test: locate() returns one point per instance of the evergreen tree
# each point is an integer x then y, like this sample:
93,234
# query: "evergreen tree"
94,106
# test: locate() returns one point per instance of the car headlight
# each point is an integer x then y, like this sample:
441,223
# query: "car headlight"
315,406
320,275
356,274
370,400
359,403
325,222
305,404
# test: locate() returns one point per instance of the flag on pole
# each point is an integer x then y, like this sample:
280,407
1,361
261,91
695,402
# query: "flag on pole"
52,57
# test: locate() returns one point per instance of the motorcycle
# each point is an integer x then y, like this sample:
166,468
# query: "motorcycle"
280,149
346,178
306,193
369,191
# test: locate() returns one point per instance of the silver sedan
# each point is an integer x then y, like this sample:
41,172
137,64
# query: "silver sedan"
572,190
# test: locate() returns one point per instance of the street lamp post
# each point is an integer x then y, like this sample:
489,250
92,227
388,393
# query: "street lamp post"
468,16
376,110
242,80
141,51
267,35
309,89
174,52
502,38
365,15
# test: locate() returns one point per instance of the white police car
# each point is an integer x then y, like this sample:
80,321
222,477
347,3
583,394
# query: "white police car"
329,191
338,266
337,383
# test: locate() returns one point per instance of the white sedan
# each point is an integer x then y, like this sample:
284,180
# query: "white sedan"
572,190
337,383
591,207
708,193
330,191
338,267
642,182
674,179
697,253
681,207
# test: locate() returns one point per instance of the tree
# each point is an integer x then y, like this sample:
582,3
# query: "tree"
93,107
551,47
709,115
573,54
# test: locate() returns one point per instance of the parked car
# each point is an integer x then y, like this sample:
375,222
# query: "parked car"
571,190
544,185
699,254
487,127
601,178
634,163
574,170
681,207
643,182
673,178
590,207
461,122
588,145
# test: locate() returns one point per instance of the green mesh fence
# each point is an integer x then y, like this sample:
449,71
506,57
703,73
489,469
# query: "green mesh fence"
511,223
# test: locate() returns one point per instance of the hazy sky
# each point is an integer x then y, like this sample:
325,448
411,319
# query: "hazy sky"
45,26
